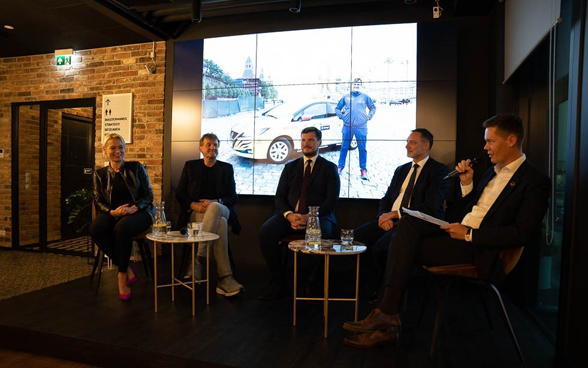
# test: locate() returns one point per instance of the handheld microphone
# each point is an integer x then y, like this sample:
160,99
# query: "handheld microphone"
473,163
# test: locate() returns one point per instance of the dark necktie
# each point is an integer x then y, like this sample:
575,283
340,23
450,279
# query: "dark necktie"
302,206
408,192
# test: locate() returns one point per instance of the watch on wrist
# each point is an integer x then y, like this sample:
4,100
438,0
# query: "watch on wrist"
468,235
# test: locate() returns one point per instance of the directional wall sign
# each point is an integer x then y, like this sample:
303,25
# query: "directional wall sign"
117,115
63,60
63,57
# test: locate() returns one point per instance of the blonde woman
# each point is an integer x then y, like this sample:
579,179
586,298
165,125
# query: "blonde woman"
123,198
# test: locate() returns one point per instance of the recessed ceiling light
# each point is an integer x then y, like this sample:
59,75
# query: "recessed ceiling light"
7,26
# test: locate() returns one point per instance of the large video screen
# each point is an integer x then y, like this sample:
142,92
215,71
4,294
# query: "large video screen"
356,84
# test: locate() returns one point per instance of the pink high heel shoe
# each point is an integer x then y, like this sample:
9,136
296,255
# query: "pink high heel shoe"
125,297
133,280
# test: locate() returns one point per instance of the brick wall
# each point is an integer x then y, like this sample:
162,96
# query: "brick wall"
94,73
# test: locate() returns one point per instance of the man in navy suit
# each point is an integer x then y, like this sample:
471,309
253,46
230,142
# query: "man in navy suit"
505,211
425,194
293,197
206,193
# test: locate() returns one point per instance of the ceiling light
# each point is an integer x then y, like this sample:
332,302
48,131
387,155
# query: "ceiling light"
8,26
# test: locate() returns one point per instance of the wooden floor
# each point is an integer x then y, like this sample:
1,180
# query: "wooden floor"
17,359
68,322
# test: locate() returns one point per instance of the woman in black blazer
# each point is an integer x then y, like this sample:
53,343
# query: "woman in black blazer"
123,198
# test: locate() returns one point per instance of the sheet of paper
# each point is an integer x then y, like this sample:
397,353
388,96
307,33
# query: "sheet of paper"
425,217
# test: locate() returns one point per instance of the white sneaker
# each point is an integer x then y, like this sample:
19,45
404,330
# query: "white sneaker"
228,286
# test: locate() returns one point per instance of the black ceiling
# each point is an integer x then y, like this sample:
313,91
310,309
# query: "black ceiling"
43,26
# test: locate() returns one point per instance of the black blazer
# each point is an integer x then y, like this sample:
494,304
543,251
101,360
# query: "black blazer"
512,221
135,177
323,187
190,186
428,193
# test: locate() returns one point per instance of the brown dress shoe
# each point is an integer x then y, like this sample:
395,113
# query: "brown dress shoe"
372,339
376,320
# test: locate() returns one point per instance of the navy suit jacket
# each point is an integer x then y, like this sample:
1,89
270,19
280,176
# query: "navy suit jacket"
190,186
428,193
323,187
512,221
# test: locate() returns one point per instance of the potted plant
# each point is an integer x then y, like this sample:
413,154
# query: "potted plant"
78,206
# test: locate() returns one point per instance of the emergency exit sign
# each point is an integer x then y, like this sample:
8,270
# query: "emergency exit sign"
63,60
63,57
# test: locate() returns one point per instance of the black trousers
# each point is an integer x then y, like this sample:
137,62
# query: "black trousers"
270,234
114,236
377,242
417,242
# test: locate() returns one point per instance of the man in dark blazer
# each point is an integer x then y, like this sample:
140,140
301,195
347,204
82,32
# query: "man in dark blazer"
206,193
292,202
505,211
425,193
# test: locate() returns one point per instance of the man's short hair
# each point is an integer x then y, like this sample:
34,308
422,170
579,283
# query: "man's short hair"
358,80
317,131
507,124
209,136
426,135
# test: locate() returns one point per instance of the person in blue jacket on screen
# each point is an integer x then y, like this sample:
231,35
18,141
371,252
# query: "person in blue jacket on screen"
352,110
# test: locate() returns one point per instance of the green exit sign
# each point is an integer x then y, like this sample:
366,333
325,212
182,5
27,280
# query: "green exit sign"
63,60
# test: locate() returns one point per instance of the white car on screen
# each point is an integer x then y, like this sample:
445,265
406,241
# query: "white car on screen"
275,134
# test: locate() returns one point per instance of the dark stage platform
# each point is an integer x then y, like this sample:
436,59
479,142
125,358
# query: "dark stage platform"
68,321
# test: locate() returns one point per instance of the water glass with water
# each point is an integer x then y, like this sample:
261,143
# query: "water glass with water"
168,227
347,237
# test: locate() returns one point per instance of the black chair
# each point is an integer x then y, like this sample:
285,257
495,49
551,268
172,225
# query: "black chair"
447,275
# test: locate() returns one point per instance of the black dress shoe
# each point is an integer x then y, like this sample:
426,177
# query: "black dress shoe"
376,320
372,339
274,291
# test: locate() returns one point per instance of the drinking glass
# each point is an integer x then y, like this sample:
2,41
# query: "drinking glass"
346,237
168,227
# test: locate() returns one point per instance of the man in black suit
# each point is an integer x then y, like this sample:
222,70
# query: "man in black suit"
206,193
417,185
308,181
504,211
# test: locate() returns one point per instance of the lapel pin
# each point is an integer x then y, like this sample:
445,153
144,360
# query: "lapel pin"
512,183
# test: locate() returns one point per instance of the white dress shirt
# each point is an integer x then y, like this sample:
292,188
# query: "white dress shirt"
491,191
398,201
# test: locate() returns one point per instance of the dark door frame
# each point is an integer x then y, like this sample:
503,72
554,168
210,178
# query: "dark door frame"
43,117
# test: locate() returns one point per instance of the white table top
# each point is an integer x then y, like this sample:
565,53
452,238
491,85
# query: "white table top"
328,246
177,238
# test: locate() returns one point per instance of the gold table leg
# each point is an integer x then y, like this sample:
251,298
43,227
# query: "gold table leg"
208,273
357,288
155,272
172,274
326,302
295,283
193,285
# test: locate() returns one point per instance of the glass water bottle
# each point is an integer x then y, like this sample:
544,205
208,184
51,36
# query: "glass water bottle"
313,228
159,221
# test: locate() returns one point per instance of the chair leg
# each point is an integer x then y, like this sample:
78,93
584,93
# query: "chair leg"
96,260
506,320
444,289
101,255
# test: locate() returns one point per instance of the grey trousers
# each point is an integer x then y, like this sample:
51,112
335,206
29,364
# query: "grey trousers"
214,220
